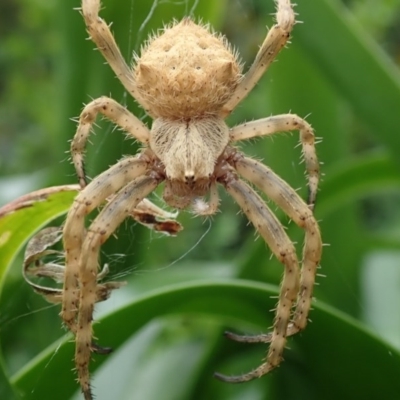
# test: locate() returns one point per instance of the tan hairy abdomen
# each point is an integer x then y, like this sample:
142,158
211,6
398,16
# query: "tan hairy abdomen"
190,71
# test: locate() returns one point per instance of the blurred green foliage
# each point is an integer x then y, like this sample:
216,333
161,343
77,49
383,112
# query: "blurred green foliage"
341,72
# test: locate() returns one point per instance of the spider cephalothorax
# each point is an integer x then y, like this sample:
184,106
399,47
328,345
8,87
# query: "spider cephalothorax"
188,80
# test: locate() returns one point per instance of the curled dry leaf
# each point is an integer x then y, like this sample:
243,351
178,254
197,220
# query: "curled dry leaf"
41,261
155,218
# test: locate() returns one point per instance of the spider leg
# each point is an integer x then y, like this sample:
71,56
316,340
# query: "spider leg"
262,338
146,212
274,235
99,231
283,123
117,114
86,201
292,204
276,39
101,35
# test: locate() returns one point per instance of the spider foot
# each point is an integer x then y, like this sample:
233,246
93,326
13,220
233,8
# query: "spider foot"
263,369
101,350
258,372
87,393
233,379
262,338
254,374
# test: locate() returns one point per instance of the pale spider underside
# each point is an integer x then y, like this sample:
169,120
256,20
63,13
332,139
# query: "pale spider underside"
188,79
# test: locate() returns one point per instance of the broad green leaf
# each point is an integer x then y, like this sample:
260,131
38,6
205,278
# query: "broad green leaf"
6,390
19,220
34,216
354,354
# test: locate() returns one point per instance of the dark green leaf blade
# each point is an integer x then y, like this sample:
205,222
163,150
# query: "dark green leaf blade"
332,335
19,220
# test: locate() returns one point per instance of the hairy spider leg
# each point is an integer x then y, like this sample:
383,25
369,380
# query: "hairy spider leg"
275,236
283,123
115,113
102,227
74,231
276,39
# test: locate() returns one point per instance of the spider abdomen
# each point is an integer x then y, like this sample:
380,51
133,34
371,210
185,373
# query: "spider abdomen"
186,72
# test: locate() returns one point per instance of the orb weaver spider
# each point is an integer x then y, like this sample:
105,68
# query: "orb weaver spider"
188,79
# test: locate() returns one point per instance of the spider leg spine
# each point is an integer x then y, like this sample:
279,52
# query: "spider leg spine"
101,228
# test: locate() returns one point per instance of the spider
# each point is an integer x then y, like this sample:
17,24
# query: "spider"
188,79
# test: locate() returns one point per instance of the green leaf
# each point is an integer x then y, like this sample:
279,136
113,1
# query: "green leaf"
23,217
332,336
19,220
6,390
